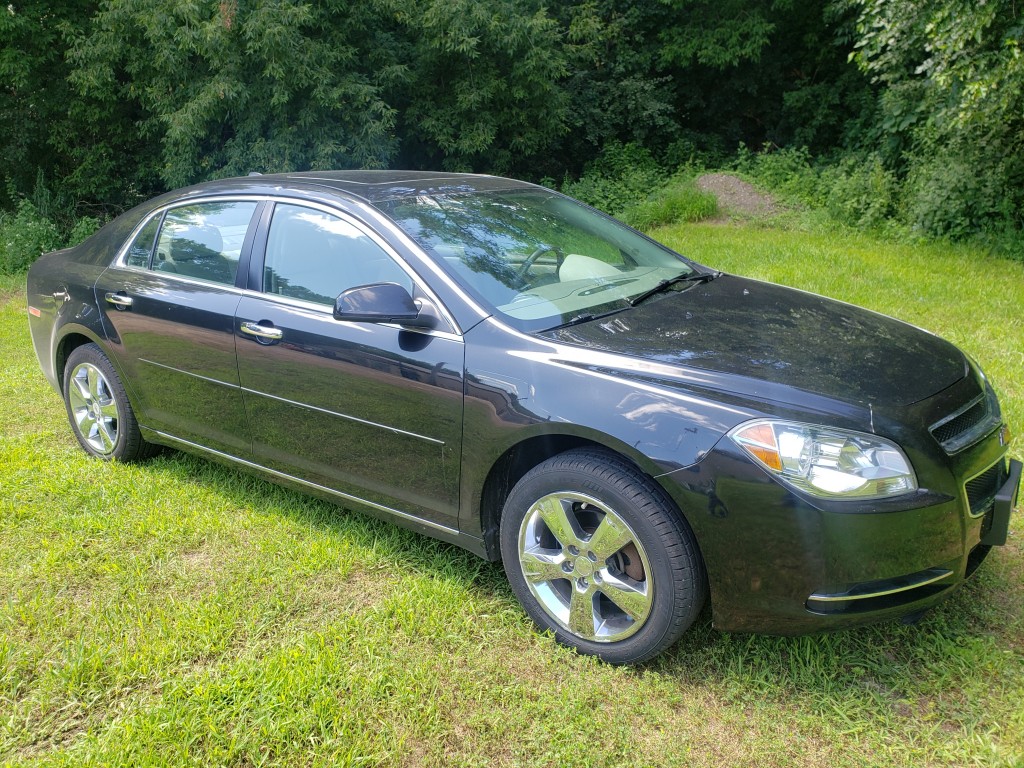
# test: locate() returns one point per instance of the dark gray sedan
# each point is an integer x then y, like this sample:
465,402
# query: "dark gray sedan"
497,365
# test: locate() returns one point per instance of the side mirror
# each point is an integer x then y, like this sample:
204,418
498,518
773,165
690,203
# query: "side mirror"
380,303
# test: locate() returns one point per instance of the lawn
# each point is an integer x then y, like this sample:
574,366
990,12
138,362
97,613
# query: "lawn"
178,612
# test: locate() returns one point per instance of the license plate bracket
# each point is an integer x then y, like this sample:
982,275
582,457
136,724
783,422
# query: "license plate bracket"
1006,500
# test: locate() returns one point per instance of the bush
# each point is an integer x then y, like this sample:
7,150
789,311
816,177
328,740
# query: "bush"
787,172
860,192
28,233
24,237
622,176
954,195
82,229
679,201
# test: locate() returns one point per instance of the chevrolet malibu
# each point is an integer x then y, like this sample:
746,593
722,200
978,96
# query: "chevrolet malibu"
494,364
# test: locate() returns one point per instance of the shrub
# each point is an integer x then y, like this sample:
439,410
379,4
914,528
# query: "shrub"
859,191
29,232
679,201
82,229
622,176
955,195
787,172
24,237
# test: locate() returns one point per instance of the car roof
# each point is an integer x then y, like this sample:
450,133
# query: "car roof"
371,186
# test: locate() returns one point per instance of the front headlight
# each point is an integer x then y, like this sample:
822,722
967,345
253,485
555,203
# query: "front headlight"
826,462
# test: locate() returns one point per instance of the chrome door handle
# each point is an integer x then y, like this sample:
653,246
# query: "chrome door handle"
262,331
119,300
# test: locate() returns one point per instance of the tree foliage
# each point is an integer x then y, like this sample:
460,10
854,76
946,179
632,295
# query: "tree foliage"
227,88
483,85
224,88
34,92
108,101
952,107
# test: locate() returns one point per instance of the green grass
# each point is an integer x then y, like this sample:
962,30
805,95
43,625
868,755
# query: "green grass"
180,613
679,201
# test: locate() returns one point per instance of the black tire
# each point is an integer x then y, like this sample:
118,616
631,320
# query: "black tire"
101,416
658,573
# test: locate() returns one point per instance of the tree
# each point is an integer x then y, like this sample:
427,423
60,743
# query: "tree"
484,89
34,95
952,106
225,89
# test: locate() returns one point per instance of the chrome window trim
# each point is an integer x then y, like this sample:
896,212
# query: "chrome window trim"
436,268
121,260
325,311
383,244
456,333
193,281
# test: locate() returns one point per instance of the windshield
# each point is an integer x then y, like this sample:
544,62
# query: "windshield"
538,258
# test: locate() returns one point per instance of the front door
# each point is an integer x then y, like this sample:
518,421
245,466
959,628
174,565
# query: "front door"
371,411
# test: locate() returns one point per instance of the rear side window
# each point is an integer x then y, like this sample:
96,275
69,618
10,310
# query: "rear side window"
314,256
142,246
204,240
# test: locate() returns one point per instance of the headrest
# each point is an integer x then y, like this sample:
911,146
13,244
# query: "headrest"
196,242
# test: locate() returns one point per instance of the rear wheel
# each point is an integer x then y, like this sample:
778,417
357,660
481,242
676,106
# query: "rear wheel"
98,408
597,553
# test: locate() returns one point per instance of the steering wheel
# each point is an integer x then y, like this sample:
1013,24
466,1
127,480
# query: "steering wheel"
541,250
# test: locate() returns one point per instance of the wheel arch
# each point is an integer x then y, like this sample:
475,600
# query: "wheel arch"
524,455
71,338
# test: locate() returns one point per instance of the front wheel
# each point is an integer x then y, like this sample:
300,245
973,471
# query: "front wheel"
596,552
98,408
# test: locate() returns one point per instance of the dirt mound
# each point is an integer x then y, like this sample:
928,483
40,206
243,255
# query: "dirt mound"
738,198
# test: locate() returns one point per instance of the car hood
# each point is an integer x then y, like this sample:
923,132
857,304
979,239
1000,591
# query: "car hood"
787,337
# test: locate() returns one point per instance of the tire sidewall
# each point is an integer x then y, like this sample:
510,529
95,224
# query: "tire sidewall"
543,480
90,353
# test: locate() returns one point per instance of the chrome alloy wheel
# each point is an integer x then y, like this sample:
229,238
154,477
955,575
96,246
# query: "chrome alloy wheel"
586,567
93,408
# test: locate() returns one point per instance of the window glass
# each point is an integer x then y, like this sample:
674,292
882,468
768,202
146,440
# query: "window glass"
314,256
142,246
538,258
204,240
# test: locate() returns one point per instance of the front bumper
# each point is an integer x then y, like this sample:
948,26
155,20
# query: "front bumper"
994,534
781,563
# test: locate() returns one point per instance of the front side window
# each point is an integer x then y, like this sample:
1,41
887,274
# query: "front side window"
537,257
314,256
204,240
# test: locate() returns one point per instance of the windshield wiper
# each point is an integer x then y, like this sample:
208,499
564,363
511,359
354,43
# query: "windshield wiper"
693,277
585,317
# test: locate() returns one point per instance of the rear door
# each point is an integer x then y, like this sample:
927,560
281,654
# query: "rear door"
168,306
367,410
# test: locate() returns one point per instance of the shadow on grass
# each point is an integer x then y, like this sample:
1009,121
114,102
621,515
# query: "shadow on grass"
947,665
407,549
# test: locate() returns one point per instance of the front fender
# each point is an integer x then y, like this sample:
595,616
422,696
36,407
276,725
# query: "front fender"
519,388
